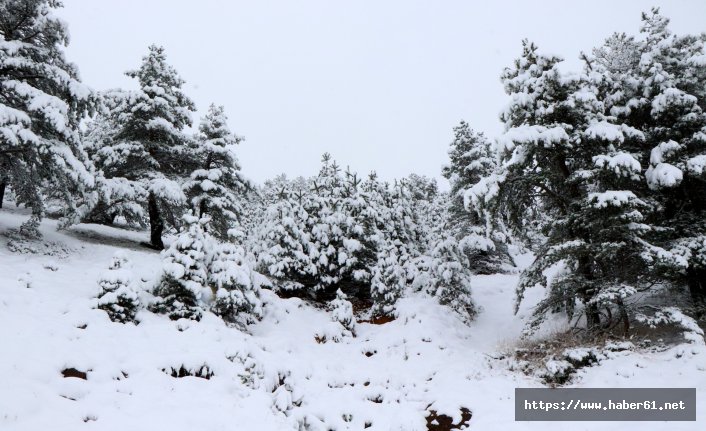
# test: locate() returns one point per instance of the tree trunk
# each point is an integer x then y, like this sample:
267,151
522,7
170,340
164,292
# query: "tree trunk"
3,186
593,314
593,318
624,317
156,223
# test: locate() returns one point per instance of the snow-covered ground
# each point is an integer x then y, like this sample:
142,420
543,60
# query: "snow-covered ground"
277,377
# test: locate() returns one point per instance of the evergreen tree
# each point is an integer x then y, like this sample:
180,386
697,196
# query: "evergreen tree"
672,71
118,296
421,187
237,300
398,240
561,153
285,250
323,238
432,219
337,225
656,86
470,159
217,187
41,104
449,279
342,312
184,272
150,146
389,279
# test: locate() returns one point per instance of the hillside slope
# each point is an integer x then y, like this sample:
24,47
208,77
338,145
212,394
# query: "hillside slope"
279,376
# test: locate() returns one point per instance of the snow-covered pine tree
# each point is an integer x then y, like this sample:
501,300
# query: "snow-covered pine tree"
432,219
400,242
672,72
236,298
421,187
401,222
362,232
327,225
285,251
184,272
217,187
41,104
150,146
562,154
655,84
389,278
342,312
117,295
319,236
337,231
448,278
470,159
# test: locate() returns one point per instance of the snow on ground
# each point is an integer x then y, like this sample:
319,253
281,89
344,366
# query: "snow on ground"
279,376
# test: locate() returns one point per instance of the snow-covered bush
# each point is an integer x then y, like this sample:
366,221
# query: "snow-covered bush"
327,233
117,295
196,262
184,272
443,274
237,300
557,371
390,279
449,280
342,312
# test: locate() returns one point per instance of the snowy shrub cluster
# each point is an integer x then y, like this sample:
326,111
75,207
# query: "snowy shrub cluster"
342,312
197,262
364,237
118,295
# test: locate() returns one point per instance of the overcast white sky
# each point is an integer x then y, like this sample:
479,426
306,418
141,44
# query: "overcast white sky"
379,84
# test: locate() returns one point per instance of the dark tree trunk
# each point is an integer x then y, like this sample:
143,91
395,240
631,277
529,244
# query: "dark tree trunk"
624,317
593,318
156,223
3,186
587,292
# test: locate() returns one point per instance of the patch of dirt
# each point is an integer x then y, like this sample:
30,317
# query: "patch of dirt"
380,320
437,422
73,372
